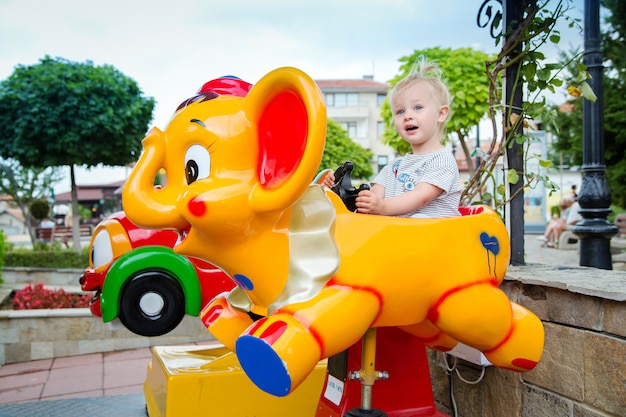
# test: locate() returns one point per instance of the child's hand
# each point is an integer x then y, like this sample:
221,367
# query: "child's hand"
369,203
329,179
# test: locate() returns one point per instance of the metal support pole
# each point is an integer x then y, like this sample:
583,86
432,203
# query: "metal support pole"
513,16
594,230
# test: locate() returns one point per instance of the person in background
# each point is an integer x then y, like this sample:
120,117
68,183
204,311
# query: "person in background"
46,223
573,214
558,224
425,182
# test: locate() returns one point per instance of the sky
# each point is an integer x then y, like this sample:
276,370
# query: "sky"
170,48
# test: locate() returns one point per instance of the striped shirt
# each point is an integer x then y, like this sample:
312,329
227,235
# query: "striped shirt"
437,168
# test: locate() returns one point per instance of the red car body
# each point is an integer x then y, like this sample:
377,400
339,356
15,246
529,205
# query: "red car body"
136,276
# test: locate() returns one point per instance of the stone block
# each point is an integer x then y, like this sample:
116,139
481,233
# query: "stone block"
534,298
541,403
439,379
605,373
468,397
48,329
131,343
2,358
574,309
503,393
78,328
582,411
95,346
65,348
41,350
615,317
560,368
17,352
9,334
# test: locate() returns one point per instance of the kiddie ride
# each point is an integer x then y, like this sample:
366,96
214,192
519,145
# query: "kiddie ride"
320,279
139,266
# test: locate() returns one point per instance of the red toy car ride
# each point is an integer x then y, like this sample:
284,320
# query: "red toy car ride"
137,277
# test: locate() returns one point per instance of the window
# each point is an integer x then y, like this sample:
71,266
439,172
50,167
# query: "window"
380,99
352,99
342,99
349,127
381,129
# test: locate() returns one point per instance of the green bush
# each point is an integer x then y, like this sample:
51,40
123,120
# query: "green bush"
47,258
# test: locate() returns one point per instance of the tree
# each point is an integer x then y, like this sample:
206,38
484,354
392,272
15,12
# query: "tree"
464,70
25,185
59,112
340,148
567,126
40,209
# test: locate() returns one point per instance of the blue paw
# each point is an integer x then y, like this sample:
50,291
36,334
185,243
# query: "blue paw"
490,243
263,366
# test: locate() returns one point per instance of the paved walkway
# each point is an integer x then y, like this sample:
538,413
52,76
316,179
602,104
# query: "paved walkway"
111,383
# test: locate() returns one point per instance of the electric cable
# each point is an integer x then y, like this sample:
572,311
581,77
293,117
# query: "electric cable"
450,370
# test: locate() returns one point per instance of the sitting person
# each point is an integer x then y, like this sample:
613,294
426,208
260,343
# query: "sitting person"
558,224
46,223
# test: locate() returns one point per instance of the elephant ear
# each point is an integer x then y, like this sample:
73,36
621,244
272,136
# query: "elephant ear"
287,109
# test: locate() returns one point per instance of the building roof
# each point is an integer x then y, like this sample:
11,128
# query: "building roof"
88,192
14,212
364,84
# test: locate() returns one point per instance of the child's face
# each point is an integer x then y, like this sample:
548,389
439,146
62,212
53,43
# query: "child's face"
418,117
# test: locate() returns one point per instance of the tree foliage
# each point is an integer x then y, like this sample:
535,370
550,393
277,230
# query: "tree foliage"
464,71
567,126
59,112
40,209
340,148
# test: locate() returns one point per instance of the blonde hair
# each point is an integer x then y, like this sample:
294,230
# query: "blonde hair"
430,73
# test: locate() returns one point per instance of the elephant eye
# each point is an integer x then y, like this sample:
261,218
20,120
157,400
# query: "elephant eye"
197,163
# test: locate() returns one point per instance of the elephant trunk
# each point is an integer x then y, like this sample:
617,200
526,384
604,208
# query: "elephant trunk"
145,204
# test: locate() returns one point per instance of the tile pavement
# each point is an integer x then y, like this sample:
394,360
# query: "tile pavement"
93,375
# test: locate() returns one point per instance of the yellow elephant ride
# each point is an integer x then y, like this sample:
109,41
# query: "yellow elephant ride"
239,161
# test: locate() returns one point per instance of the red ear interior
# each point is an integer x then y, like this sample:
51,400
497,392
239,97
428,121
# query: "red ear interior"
283,128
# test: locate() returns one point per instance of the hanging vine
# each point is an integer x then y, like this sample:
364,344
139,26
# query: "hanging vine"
536,75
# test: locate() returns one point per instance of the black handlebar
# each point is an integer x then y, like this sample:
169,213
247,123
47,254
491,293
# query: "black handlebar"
343,185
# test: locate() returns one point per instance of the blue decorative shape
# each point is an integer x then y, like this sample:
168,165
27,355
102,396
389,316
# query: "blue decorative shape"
263,366
490,243
244,282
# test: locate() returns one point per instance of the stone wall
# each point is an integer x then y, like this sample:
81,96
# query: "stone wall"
20,276
41,334
582,372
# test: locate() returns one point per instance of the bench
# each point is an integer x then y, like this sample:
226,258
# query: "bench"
568,240
61,234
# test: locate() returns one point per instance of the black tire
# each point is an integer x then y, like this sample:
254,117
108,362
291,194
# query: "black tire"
160,288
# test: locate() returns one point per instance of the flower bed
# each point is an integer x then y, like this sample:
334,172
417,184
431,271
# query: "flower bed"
37,297
44,333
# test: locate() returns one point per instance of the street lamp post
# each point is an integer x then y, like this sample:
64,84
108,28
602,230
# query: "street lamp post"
594,230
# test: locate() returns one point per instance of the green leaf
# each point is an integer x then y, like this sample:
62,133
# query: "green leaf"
587,92
545,163
513,176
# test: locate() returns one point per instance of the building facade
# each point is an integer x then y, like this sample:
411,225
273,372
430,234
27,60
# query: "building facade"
356,106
